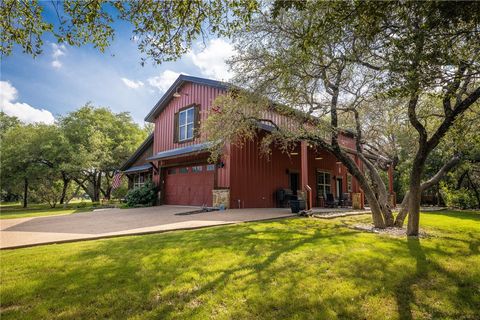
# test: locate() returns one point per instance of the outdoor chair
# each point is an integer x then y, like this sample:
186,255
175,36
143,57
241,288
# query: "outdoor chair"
284,196
346,201
330,201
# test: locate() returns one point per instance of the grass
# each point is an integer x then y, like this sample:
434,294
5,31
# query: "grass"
292,268
15,210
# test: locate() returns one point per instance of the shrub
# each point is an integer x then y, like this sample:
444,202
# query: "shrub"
121,191
458,198
81,205
142,196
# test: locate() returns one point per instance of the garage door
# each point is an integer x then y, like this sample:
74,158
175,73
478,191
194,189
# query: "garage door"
189,185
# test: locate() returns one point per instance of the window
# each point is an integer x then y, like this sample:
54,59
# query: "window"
197,169
210,167
141,178
323,184
349,182
186,120
183,170
171,171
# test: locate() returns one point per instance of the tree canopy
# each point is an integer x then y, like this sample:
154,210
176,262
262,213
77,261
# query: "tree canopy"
163,30
344,62
84,148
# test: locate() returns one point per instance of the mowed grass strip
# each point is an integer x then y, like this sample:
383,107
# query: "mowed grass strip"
15,210
292,268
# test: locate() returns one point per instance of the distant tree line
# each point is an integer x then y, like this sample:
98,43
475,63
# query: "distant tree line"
78,155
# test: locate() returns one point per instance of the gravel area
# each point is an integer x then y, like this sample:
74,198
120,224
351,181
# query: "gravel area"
333,214
394,231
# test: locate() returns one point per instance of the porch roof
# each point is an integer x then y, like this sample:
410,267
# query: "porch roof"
180,151
141,168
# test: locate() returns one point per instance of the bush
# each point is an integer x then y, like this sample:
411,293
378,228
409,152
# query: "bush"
142,196
458,198
81,205
121,191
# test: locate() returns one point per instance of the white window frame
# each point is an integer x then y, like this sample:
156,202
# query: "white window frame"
197,169
184,127
326,183
140,179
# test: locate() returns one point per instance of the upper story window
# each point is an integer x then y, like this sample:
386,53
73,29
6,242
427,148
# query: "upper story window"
186,123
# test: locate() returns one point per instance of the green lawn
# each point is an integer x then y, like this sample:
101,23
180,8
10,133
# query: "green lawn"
283,269
15,210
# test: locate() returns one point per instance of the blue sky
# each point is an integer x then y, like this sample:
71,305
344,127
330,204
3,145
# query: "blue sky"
64,78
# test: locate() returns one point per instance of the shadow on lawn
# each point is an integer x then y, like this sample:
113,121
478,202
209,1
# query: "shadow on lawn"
403,291
280,269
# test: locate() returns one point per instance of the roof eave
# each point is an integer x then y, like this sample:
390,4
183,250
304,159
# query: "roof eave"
145,144
160,105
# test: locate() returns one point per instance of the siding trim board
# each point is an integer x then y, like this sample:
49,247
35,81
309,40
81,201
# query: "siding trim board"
136,169
172,153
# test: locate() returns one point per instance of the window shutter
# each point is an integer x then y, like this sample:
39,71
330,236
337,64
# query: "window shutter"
175,128
197,121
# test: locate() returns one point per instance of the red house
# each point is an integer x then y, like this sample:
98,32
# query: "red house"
176,155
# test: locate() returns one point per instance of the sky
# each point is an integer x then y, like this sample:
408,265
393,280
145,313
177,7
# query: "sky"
64,78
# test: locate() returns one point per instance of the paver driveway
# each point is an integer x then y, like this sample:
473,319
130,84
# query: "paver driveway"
115,222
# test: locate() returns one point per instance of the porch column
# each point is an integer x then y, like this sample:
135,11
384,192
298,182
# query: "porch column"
390,179
304,175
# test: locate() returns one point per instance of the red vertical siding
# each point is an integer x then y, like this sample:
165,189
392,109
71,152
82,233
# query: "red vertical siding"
190,94
223,174
255,178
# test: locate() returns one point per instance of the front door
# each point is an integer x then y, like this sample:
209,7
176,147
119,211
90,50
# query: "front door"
339,188
294,182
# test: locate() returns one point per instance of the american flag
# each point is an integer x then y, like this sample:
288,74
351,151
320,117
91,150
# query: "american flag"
117,179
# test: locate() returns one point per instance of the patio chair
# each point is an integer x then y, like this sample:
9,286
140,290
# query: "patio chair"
330,201
346,201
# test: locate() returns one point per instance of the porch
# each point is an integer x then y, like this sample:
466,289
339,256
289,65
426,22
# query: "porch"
326,185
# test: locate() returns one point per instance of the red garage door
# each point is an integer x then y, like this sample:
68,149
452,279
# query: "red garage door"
191,185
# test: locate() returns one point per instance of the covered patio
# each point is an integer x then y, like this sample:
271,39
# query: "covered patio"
327,186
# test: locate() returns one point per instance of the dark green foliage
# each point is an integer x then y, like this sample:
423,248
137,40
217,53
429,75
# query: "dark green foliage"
458,198
142,196
164,30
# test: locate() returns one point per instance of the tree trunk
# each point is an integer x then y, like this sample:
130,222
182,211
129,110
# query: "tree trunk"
475,190
402,214
415,193
377,215
25,193
108,192
381,190
425,185
66,182
97,182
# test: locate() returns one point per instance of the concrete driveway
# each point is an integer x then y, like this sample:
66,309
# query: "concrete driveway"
24,232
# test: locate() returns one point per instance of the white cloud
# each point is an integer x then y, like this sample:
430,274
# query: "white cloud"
23,111
211,60
56,64
58,50
132,84
164,80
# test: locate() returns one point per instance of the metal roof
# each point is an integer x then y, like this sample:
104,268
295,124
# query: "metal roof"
144,146
181,151
165,99
144,167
